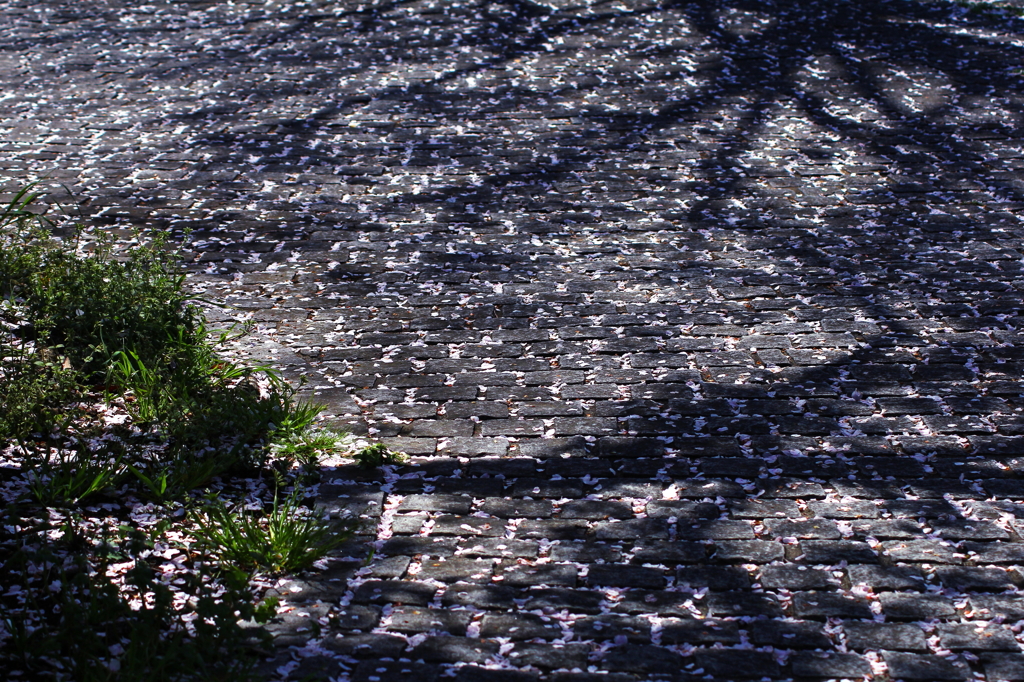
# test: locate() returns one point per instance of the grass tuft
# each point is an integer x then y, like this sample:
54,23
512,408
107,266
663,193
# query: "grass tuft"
287,540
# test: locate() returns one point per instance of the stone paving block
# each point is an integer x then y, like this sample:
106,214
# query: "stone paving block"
832,552
454,569
519,626
613,627
595,510
743,604
549,656
516,508
915,606
898,636
977,579
737,664
814,604
544,574
561,599
791,577
394,592
1005,607
370,645
1004,667
910,666
368,671
632,529
699,631
788,634
467,525
747,551
481,596
626,576
976,637
807,529
643,660
454,504
879,578
449,649
930,551
830,665
412,620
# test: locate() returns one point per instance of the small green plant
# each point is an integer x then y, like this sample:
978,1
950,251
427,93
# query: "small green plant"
75,623
377,455
111,381
307,448
287,540
61,475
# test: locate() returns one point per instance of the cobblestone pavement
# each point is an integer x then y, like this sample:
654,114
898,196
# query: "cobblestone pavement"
699,320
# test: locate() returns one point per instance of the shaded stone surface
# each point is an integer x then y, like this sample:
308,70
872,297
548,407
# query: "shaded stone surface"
698,320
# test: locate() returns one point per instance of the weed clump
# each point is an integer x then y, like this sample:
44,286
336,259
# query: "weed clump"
377,455
114,393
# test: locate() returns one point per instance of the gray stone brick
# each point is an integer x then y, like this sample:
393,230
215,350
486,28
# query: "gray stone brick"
613,627
473,526
625,576
560,599
929,551
909,666
668,552
595,510
412,620
830,665
682,510
1004,667
737,663
574,446
549,656
456,569
785,634
498,548
631,529
479,596
462,446
718,578
976,579
976,637
445,649
699,631
371,671
747,551
716,530
454,504
471,673
516,508
365,645
806,529
915,606
577,551
902,637
831,552
643,660
544,574
829,605
880,579
743,604
356,618
791,577
519,626
987,606
394,592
